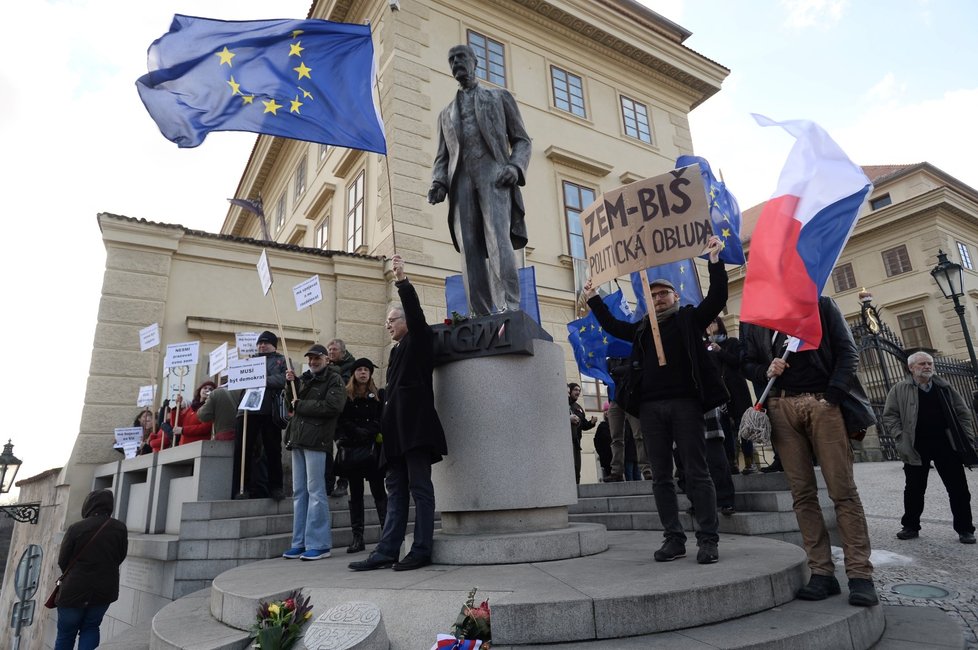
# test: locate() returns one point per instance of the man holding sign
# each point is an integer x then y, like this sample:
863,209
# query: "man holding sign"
674,397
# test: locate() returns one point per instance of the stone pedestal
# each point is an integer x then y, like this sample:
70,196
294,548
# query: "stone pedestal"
510,468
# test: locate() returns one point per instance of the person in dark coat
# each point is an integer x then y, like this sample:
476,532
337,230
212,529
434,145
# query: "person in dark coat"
727,351
602,444
413,435
90,555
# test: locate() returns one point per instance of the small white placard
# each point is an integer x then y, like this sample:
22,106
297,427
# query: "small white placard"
128,439
264,273
252,399
181,354
307,293
794,343
218,359
246,344
146,395
247,373
149,337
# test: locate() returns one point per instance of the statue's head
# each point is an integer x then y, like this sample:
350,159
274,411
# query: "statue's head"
463,62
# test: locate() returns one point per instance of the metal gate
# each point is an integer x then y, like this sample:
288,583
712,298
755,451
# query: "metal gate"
882,363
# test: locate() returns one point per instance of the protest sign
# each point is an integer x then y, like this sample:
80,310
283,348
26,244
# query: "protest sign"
307,293
252,399
647,223
181,354
146,395
218,359
246,343
129,440
247,373
149,337
264,273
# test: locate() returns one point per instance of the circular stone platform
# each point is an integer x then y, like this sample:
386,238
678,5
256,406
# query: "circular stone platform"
621,592
577,540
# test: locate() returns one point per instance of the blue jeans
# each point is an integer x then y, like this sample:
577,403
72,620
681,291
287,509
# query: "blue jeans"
81,622
408,477
310,513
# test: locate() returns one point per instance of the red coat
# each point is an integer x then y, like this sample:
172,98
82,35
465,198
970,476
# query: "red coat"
193,428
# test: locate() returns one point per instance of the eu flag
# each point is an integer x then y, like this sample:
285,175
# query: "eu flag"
592,345
724,211
683,276
303,79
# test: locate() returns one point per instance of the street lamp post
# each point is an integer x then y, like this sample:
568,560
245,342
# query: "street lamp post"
950,279
9,466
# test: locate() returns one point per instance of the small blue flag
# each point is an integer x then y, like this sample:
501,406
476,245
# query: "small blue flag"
683,276
592,345
303,79
455,294
724,211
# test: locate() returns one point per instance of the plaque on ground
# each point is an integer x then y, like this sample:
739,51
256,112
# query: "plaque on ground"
348,626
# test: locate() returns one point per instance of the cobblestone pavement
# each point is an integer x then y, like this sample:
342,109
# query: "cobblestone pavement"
935,558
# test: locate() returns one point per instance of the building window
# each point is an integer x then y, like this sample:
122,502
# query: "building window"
913,330
323,150
843,278
896,261
576,198
322,233
636,117
965,256
492,62
880,202
280,214
354,214
568,91
300,181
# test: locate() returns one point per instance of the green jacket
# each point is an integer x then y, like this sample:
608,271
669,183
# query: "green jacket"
900,415
321,400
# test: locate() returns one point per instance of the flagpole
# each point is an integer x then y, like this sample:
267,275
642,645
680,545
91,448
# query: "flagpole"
281,335
244,447
653,321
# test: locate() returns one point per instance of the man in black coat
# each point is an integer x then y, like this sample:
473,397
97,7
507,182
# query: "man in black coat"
413,435
90,555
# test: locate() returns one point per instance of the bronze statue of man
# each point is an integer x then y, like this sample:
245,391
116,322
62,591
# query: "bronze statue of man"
483,152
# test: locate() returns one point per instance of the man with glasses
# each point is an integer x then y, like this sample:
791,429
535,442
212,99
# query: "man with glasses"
674,397
413,435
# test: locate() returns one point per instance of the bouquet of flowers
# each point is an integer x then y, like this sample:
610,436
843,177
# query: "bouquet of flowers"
471,630
278,623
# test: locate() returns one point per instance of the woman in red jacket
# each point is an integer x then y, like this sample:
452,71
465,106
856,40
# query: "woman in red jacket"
191,429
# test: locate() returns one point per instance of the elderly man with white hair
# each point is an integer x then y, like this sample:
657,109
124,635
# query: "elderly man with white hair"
931,422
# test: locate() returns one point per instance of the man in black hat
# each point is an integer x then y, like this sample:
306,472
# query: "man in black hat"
413,435
266,481
674,397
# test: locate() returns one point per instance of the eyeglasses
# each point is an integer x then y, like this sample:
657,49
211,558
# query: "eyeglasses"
661,294
390,321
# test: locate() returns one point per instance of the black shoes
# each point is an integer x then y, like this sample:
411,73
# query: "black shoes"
357,544
411,562
614,478
821,587
341,489
374,561
966,538
708,553
862,593
728,511
277,494
773,467
908,533
671,550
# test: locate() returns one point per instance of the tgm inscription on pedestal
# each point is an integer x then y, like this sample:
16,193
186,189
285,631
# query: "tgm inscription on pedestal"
347,626
510,332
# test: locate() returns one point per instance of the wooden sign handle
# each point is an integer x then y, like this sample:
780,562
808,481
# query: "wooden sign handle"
653,321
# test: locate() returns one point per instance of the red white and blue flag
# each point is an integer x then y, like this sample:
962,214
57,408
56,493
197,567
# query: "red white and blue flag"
801,233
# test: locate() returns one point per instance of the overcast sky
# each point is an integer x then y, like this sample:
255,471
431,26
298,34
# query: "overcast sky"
893,82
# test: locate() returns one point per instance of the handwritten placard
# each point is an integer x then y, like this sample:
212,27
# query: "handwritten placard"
647,223
246,373
129,439
307,293
246,344
182,354
146,395
149,337
264,273
218,358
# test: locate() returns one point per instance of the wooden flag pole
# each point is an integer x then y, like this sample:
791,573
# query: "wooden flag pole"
281,337
176,420
653,321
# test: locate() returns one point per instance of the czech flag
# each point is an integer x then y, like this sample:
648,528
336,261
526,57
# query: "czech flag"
801,233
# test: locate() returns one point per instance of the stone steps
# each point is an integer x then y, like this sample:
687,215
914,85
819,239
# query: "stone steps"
616,599
190,616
